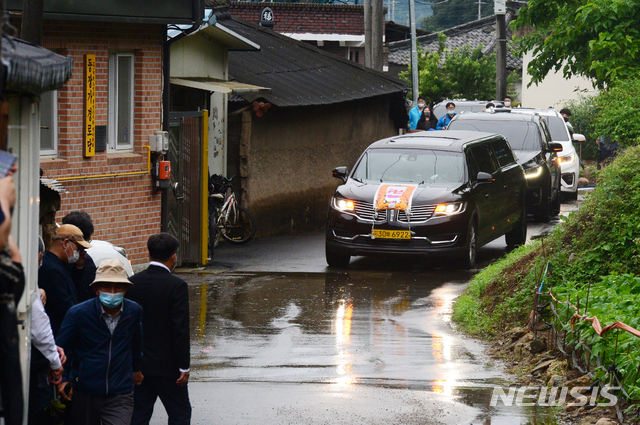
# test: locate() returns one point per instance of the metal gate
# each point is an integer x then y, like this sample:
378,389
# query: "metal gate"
186,151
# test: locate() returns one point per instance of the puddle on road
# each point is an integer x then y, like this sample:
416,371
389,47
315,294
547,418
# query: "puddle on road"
382,330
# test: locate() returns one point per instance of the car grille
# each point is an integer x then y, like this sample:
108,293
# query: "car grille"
421,213
364,211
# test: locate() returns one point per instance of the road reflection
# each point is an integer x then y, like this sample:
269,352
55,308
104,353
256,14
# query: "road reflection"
385,330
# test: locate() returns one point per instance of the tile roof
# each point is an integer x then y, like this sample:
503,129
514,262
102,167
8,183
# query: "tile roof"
475,33
300,74
32,69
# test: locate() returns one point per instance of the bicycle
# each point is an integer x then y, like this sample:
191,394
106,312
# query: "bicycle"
227,219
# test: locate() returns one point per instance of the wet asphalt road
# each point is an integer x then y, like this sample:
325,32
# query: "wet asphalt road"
280,338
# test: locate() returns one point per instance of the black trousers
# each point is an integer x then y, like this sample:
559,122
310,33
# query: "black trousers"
89,409
174,398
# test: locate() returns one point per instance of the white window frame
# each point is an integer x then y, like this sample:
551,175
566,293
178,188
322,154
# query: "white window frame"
54,126
112,132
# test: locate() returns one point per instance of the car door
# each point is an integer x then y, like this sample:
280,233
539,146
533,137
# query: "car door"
552,160
511,188
487,196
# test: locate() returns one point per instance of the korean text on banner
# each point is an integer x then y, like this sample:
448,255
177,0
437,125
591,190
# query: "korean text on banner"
90,106
394,197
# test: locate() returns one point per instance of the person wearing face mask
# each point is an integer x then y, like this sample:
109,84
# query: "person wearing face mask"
165,362
83,272
103,337
507,102
444,121
425,122
54,275
416,112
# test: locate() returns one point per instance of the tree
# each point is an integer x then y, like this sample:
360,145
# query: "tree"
461,73
451,13
598,39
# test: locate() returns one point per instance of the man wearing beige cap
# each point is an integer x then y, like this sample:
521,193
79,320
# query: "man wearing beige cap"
103,339
54,275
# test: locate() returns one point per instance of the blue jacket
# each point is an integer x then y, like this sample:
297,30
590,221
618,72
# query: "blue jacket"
414,117
444,121
102,363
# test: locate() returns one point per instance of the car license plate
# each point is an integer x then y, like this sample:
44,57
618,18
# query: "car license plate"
392,234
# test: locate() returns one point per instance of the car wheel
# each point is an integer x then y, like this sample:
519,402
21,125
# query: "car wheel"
336,259
469,256
543,213
518,235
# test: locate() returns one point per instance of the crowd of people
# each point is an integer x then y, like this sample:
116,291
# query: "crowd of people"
105,345
422,118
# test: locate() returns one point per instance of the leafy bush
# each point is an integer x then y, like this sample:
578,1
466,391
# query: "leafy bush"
454,74
619,112
604,235
623,292
583,116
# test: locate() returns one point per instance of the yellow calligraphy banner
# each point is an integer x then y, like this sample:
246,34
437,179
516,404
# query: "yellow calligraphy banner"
89,105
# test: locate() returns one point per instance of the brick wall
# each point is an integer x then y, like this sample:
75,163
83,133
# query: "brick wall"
124,209
306,17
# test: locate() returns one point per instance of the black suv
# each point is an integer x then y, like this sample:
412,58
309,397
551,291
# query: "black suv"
428,193
530,139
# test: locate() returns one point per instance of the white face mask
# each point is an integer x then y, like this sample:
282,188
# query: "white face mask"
507,104
420,105
75,257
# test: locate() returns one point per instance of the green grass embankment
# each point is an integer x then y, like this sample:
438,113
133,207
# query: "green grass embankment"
595,252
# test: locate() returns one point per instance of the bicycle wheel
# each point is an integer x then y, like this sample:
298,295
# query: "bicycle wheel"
214,231
240,227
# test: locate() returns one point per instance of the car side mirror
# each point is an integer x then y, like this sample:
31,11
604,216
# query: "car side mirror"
555,147
579,138
485,177
340,173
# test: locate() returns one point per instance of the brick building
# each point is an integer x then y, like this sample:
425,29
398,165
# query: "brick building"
126,209
335,28
114,185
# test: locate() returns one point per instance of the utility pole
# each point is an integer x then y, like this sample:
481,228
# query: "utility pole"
377,23
501,49
367,33
32,21
414,51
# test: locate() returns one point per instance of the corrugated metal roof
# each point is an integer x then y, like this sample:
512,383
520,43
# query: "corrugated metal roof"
300,74
476,33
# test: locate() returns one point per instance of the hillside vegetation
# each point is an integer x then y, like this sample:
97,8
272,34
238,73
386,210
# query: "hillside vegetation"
594,254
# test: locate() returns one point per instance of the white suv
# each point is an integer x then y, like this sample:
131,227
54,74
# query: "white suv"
568,159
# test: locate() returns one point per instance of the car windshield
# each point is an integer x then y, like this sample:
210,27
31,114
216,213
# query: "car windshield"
410,166
522,135
558,129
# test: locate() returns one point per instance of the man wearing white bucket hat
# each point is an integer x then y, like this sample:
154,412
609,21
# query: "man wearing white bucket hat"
103,339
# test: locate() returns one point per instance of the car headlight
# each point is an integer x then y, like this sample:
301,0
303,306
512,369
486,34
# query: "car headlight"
342,204
449,209
566,160
532,173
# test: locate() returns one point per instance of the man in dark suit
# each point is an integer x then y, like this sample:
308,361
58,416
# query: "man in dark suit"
83,272
165,362
54,275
